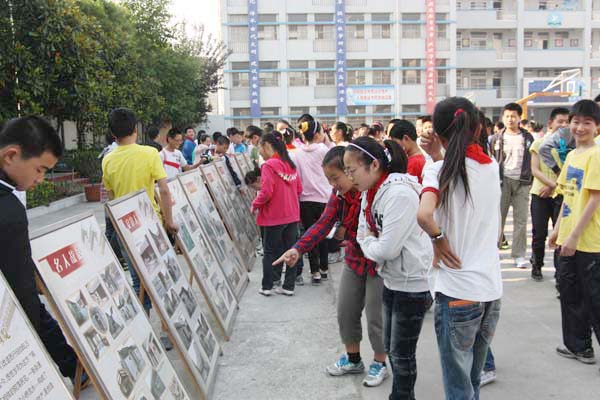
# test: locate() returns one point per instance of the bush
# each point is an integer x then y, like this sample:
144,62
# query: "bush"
47,192
86,162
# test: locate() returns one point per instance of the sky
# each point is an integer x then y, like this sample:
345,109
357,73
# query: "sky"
193,12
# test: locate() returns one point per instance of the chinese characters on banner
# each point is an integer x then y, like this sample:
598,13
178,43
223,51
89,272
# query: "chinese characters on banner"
340,56
430,61
253,52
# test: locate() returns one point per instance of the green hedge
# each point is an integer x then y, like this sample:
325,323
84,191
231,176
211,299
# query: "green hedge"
47,192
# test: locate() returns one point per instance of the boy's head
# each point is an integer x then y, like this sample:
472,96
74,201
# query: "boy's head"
584,120
190,133
174,139
253,134
511,116
427,125
152,132
559,118
234,135
122,122
404,133
215,136
222,144
252,179
29,147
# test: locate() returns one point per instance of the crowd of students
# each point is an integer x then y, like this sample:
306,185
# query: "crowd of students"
419,211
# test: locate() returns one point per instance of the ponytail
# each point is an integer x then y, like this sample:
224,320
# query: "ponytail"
346,130
275,139
456,120
392,157
309,130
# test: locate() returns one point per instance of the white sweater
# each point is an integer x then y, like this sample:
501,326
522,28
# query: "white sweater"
402,251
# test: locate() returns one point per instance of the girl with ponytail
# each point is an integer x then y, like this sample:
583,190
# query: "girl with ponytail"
360,286
389,235
460,191
341,134
278,211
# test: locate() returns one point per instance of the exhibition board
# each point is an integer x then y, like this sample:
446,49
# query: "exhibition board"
100,314
142,234
228,257
197,250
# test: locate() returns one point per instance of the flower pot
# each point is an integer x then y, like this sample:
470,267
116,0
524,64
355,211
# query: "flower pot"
92,192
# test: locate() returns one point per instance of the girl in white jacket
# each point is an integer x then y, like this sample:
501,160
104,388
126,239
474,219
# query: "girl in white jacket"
388,234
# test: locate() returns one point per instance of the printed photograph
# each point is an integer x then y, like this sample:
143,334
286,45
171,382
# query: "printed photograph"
166,280
96,341
184,233
172,267
157,386
115,322
148,255
199,361
146,208
132,361
204,334
176,390
160,241
153,350
96,291
98,320
188,300
200,266
126,306
78,306
171,301
125,382
158,284
184,331
190,218
112,278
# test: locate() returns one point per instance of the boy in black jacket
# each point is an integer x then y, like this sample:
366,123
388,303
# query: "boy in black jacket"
29,147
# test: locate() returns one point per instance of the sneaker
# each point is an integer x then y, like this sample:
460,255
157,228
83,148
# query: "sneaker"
333,258
284,292
521,262
299,280
265,292
586,357
343,366
487,377
165,341
324,275
316,279
377,373
536,274
276,283
504,245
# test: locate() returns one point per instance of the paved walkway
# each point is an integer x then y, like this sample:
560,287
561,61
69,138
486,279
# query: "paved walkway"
280,346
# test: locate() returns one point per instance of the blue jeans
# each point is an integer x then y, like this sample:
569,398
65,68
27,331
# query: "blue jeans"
464,332
403,315
490,363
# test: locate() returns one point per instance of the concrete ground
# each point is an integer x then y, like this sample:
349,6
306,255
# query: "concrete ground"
280,346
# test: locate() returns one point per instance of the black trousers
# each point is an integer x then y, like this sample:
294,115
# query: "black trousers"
56,344
276,240
579,286
542,211
310,212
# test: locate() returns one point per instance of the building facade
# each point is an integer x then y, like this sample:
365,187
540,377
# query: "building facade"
368,60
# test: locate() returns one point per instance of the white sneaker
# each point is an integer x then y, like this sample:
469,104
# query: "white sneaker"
521,262
377,373
343,366
487,377
285,292
264,292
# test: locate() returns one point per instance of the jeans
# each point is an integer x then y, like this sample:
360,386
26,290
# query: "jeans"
276,240
464,331
579,286
310,212
56,344
516,194
490,362
403,315
542,211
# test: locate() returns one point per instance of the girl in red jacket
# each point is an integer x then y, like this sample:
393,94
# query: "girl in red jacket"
278,209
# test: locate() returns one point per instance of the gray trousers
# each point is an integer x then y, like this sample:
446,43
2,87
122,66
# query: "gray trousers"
355,294
516,193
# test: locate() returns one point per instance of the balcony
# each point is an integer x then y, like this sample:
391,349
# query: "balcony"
324,46
553,58
238,46
486,18
488,57
562,19
357,45
442,45
489,97
325,92
239,94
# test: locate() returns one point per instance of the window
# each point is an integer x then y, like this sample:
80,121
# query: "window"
299,110
383,77
267,32
381,31
496,79
357,110
441,73
269,111
326,110
574,43
269,78
355,77
325,78
355,31
267,17
298,78
324,32
561,34
478,79
411,76
441,29
240,65
268,64
240,80
479,40
297,17
411,109
241,112
238,18
238,34
411,30
381,109
297,31
323,17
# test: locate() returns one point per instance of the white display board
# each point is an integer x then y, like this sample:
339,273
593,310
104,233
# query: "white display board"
101,314
248,194
154,259
26,369
228,257
192,241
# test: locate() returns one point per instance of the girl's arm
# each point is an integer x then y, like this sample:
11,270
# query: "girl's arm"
267,181
570,244
537,172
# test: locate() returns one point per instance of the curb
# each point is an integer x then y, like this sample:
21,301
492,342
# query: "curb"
55,206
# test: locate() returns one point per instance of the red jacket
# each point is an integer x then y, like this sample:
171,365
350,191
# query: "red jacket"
277,202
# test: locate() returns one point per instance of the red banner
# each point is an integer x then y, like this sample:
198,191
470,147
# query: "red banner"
430,60
131,221
65,260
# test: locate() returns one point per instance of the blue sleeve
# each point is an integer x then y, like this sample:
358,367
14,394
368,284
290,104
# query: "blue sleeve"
188,150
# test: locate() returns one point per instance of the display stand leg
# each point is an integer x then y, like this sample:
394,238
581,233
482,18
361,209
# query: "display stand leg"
78,386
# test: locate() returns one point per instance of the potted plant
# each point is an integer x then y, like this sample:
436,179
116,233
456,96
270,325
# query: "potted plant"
89,166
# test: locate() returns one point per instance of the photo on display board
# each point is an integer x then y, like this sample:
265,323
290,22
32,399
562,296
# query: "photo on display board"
125,305
187,215
184,331
78,306
172,267
157,386
115,324
96,341
159,239
188,301
99,320
201,266
153,351
184,233
97,291
176,390
149,256
207,340
146,208
125,382
112,278
199,361
132,361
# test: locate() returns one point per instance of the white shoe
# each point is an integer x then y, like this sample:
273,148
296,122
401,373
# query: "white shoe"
377,373
285,292
264,292
487,377
521,262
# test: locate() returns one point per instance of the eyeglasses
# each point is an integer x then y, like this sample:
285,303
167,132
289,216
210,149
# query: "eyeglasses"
350,172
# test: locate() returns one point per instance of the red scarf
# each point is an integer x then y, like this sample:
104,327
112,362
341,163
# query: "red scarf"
350,218
475,152
370,197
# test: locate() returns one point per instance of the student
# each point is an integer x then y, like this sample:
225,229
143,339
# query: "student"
576,232
277,205
172,159
131,167
510,148
253,134
390,236
202,151
315,193
222,145
341,135
404,133
545,201
189,145
29,147
237,141
462,191
152,133
282,125
252,179
360,285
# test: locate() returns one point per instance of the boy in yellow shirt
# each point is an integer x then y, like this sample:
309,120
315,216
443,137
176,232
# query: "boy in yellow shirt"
577,232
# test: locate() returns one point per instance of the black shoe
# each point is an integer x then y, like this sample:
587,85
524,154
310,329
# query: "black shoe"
324,275
536,274
586,356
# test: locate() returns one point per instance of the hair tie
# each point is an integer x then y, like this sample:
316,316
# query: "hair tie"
458,112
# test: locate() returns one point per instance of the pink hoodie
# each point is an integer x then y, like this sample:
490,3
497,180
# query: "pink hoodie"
277,201
308,159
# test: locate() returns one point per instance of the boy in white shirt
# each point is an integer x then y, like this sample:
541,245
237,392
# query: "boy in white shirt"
173,159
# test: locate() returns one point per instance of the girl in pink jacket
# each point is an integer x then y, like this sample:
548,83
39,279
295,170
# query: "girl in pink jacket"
278,209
